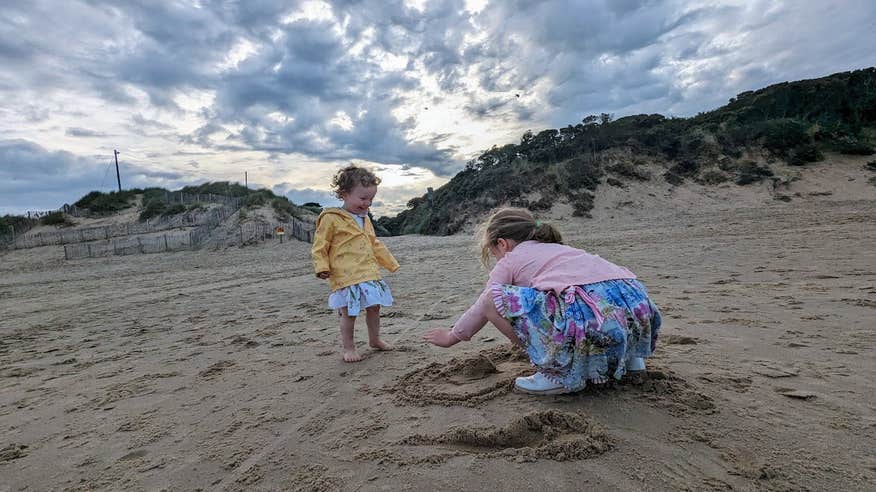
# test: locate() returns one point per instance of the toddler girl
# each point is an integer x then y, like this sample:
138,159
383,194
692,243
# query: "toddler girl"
347,253
579,317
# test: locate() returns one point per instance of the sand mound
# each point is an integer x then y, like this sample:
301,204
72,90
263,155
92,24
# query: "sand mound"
549,435
463,381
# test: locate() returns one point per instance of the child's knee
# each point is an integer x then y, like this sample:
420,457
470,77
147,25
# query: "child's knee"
342,313
372,309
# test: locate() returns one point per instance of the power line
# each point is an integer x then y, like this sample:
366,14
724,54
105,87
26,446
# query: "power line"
105,172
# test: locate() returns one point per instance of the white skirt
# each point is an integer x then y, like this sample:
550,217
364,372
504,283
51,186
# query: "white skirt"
360,296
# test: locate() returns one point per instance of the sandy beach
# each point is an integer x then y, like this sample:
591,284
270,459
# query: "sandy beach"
220,370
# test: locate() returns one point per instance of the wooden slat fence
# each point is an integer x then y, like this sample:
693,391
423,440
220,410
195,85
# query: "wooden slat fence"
261,231
130,246
85,234
190,239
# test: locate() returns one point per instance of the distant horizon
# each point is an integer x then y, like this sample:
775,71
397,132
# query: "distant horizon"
290,92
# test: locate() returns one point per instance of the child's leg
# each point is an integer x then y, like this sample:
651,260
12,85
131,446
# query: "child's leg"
372,319
347,343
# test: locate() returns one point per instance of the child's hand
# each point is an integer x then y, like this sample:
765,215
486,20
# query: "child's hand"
441,337
323,275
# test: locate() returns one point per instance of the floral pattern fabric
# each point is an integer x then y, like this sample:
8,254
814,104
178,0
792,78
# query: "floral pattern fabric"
588,333
360,296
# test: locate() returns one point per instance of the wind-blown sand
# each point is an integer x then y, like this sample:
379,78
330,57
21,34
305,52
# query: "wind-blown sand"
220,370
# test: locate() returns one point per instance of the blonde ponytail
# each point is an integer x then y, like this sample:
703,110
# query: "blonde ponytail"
516,224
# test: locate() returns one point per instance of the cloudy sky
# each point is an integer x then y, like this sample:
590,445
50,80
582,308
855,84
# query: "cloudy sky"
288,91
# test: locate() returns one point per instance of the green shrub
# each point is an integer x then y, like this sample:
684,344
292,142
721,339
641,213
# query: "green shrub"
17,223
782,135
672,178
681,170
629,170
750,172
56,219
579,173
804,153
219,188
615,182
256,199
174,209
153,208
712,177
855,147
582,204
153,194
283,208
113,201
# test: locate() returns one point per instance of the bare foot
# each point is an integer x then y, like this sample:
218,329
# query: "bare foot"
352,355
380,345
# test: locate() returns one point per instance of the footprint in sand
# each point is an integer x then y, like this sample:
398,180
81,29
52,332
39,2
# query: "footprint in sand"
678,340
215,369
463,381
669,390
549,434
12,452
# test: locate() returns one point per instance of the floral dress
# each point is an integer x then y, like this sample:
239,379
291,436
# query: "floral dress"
589,332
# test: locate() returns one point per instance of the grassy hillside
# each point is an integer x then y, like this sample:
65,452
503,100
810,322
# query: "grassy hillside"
153,200
793,121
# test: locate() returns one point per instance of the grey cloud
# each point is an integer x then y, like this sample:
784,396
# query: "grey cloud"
33,177
306,195
308,78
84,132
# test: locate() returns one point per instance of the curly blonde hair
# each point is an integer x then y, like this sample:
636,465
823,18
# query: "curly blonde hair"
347,178
516,224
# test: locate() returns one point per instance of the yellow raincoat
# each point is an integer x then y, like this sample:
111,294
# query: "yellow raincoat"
351,254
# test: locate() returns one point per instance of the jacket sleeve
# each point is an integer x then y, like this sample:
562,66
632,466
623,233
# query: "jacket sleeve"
384,257
322,242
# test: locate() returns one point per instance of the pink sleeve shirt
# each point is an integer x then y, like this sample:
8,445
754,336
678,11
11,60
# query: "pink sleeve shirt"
543,266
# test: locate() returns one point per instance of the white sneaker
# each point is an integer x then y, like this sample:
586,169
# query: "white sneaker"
636,364
538,384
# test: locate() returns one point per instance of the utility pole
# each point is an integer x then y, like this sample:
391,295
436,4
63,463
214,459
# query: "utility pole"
118,177
245,180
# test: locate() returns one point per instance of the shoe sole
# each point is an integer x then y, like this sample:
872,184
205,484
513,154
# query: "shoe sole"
548,392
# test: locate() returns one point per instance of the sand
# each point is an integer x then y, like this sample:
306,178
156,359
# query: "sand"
219,370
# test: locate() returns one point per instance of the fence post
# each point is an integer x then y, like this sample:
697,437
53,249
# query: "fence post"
115,248
241,234
140,244
89,249
66,255
106,232
165,242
